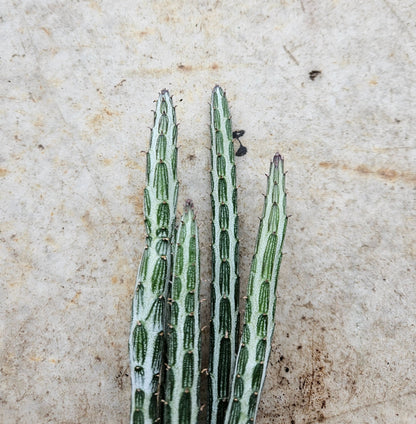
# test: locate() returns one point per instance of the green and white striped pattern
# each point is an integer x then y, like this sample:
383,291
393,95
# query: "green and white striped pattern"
256,339
183,333
224,325
146,342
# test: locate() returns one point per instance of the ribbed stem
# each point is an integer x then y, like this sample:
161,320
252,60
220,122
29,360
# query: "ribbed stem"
224,325
183,334
255,346
146,342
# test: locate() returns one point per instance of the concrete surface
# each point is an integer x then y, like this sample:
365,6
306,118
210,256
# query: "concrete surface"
78,79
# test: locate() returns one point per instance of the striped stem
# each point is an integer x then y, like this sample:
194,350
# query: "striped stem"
183,334
255,346
224,325
146,342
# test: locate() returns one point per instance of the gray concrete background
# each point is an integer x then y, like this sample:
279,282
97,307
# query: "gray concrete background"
77,84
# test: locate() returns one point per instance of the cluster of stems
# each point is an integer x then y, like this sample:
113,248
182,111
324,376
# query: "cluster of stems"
165,335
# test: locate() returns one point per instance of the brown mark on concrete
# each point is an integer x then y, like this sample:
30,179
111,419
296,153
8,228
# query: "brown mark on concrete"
74,300
137,202
46,31
311,383
3,172
101,118
86,219
385,173
185,67
296,386
188,68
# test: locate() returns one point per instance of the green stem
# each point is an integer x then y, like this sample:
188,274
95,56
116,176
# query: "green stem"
183,352
255,346
224,325
146,342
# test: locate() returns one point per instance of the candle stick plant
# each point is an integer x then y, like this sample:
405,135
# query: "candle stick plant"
164,341
147,338
255,345
183,333
224,325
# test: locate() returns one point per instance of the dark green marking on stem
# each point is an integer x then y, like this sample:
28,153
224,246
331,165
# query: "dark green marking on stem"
221,166
182,234
245,337
163,215
138,399
222,190
224,105
148,166
159,275
234,199
178,260
223,217
161,181
239,386
224,368
192,250
174,160
162,247
174,312
233,176
157,352
261,350
269,257
190,302
264,296
163,124
229,135
138,417
225,316
147,204
252,405
163,107
236,254
188,370
189,332
224,278
217,126
148,226
172,346
157,311
140,342
161,147
273,223
143,265
191,277
176,288
170,383
275,192
153,405
235,412
262,326
257,375
185,408
224,245
247,312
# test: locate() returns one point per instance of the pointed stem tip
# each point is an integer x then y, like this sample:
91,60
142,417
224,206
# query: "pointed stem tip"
189,205
276,159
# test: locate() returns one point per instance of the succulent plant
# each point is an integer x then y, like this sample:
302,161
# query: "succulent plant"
183,333
255,345
147,339
165,326
224,325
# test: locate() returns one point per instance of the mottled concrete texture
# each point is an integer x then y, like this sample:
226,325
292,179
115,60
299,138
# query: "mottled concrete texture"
78,80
